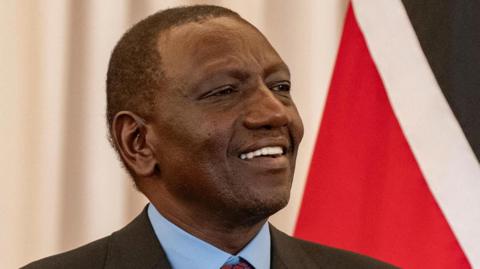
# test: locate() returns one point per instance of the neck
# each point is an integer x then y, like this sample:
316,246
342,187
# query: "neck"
226,234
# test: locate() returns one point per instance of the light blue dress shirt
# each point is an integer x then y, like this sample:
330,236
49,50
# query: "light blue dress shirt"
185,251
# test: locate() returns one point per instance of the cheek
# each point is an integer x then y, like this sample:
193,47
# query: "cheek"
198,169
201,145
194,140
212,136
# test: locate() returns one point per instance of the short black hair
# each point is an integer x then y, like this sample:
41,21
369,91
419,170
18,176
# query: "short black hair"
134,73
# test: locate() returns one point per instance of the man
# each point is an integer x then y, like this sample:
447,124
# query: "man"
200,112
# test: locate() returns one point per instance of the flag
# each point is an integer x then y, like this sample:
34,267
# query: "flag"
395,172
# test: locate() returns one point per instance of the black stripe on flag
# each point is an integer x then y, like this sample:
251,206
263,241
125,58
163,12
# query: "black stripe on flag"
449,34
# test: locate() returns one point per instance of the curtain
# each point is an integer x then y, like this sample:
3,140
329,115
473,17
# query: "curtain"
62,184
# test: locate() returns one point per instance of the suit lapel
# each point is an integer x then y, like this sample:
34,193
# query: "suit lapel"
287,253
136,246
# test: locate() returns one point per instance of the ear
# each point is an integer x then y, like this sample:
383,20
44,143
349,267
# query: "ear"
129,134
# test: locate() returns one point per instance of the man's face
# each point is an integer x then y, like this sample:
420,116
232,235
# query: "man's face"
225,128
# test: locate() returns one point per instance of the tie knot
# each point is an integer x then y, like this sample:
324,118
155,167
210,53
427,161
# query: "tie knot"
236,262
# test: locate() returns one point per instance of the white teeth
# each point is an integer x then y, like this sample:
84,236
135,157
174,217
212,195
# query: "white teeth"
262,152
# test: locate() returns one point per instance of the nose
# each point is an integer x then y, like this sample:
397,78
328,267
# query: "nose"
265,110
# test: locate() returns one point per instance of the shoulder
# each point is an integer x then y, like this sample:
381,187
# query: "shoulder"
340,258
133,246
291,250
92,255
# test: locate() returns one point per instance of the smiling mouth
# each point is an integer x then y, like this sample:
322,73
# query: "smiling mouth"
272,152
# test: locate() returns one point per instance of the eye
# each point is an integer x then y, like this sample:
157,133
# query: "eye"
221,91
283,86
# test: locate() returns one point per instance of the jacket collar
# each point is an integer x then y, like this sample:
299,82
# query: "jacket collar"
136,246
287,252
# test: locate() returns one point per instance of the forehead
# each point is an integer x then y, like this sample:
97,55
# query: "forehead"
199,46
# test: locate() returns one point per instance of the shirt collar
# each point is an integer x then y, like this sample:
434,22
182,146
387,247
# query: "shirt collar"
187,251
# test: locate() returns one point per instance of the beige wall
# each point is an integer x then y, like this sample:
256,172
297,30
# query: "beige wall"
61,182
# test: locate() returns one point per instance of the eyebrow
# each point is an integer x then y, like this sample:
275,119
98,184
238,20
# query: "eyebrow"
238,74
280,66
243,74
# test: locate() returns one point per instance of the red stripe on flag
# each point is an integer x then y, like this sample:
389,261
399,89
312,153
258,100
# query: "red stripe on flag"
365,191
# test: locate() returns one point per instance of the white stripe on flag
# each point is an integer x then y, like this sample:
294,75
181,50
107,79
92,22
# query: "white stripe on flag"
448,163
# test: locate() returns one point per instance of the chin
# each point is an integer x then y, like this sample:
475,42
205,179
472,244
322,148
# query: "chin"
260,208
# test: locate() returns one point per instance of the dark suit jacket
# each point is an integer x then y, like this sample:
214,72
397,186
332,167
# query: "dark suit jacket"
136,246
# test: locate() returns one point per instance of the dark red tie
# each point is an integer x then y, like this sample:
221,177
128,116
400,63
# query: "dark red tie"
241,264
